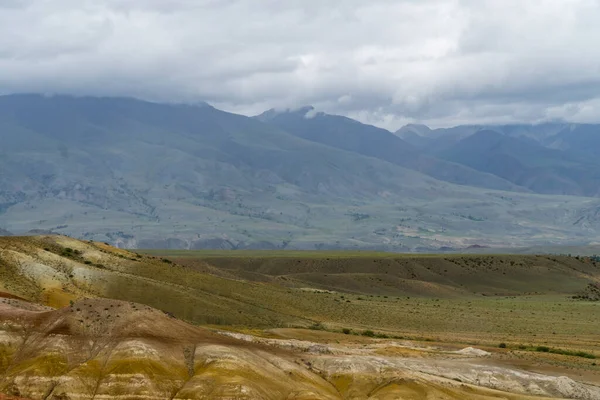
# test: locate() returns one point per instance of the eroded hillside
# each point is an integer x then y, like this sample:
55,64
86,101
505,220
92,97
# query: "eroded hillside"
105,349
87,320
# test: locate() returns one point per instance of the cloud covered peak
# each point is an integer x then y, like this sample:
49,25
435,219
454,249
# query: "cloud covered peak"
438,62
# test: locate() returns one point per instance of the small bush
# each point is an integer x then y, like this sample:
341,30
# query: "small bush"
368,333
543,349
502,345
317,326
87,262
346,331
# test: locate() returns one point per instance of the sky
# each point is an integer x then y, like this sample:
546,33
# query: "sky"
384,62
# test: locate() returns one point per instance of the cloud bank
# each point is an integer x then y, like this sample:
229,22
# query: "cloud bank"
387,62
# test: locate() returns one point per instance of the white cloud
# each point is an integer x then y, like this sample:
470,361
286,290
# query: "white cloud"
385,61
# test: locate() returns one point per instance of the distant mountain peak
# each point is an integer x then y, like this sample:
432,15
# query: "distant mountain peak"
417,126
413,129
304,111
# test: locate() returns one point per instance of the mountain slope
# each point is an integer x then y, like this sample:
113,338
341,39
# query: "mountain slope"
148,175
527,164
583,138
347,134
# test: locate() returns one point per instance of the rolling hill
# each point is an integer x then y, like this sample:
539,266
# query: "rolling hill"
82,319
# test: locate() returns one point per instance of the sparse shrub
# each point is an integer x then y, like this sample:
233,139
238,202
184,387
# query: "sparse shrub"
317,326
346,331
87,262
368,333
583,354
502,345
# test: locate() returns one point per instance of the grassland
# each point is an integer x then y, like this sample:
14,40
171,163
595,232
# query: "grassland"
523,301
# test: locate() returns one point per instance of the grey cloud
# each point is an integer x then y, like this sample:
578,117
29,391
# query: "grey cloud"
383,61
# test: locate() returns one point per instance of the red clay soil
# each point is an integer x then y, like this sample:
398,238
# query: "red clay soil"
7,397
9,296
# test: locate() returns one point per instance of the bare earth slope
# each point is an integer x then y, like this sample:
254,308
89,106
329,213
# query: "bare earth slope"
83,320
107,349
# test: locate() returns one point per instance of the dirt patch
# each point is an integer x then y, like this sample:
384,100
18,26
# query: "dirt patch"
5,295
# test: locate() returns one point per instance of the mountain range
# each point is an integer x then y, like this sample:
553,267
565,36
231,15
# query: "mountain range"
142,174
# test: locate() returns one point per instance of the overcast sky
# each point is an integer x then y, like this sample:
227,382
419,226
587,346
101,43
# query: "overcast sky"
386,62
